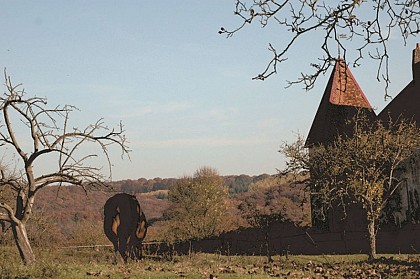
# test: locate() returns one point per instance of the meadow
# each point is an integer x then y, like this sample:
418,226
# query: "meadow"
71,217
92,263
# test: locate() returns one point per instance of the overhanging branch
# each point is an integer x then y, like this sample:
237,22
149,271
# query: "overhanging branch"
356,29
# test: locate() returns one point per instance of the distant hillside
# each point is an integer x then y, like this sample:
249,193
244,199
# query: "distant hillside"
67,215
69,203
235,183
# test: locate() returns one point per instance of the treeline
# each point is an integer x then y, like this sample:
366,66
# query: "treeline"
67,215
235,183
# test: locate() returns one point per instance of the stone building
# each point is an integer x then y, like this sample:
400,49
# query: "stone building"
342,99
407,105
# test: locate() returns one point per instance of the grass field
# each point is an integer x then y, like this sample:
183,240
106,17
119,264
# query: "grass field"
88,263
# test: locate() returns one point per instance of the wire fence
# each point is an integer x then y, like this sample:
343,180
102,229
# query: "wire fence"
96,246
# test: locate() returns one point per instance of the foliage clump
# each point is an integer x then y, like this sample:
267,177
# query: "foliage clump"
197,206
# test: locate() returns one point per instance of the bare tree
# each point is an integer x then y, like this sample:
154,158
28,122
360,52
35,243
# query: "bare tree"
263,209
353,28
362,168
49,136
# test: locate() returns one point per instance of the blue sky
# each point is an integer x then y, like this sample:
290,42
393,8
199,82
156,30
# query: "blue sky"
183,92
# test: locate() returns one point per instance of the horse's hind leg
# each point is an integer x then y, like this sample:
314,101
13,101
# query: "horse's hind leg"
115,260
122,248
113,238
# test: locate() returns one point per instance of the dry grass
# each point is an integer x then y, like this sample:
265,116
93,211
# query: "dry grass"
88,263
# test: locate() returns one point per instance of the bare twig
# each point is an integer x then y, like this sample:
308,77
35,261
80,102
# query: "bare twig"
344,24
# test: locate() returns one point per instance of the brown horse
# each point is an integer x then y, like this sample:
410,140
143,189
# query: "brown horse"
125,225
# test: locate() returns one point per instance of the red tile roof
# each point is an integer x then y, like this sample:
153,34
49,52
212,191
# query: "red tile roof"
345,90
342,99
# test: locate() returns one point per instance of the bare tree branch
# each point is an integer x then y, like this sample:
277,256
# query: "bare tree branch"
49,134
353,28
4,217
9,216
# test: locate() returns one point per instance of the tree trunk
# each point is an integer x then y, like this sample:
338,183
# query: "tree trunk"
22,243
267,244
372,239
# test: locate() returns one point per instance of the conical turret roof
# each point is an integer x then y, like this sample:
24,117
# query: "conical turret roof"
342,99
345,91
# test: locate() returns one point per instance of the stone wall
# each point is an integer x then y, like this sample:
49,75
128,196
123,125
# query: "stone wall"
410,192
